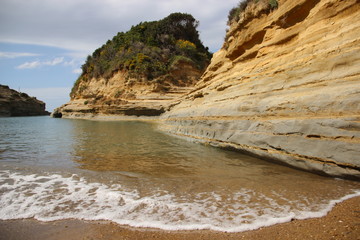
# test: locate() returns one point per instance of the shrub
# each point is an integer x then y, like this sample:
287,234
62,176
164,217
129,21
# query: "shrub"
273,4
234,13
177,59
147,49
185,44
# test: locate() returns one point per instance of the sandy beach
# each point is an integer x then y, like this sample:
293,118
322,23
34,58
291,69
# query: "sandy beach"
343,222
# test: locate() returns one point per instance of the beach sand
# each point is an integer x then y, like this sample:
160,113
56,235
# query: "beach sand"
343,222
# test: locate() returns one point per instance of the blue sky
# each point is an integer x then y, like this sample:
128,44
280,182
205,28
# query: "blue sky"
43,43
45,72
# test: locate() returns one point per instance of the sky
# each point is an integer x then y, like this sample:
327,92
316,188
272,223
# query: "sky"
43,43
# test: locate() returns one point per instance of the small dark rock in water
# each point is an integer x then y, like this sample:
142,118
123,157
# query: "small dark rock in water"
56,114
13,104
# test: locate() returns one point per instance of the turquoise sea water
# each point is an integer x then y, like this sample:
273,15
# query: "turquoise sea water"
131,173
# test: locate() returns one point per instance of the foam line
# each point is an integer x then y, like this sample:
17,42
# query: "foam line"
55,197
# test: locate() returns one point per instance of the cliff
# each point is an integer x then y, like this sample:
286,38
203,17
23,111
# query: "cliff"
14,104
140,72
285,86
125,96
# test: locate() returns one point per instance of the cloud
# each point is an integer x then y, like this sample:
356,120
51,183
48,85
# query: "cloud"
29,65
37,64
17,54
77,71
85,25
75,64
54,62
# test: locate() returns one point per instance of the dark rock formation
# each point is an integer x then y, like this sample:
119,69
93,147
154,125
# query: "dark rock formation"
13,104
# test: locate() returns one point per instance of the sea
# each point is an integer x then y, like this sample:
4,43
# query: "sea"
131,173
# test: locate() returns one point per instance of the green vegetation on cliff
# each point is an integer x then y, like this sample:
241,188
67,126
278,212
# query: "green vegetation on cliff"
235,12
149,50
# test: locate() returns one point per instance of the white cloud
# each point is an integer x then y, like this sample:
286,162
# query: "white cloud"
77,71
37,63
17,54
72,62
75,65
54,62
90,23
29,65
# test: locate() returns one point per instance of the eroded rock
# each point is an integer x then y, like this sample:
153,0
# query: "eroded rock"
285,86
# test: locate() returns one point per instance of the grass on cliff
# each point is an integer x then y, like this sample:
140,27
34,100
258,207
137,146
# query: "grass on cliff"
235,12
148,50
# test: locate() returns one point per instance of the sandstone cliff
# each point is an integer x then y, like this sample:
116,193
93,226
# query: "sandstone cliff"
13,104
140,72
285,86
126,96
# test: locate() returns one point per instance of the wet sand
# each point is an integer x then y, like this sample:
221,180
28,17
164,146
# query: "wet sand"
343,222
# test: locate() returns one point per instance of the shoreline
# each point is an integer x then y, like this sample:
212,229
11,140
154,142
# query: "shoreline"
342,222
273,155
107,117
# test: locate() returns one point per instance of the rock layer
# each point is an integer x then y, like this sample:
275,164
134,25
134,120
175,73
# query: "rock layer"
125,96
285,86
14,104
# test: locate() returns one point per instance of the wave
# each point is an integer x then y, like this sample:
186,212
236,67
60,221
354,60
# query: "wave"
49,197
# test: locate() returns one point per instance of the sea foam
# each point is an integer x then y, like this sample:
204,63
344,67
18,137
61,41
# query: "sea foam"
50,197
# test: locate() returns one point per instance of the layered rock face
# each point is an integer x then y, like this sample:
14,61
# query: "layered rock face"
13,104
140,72
285,86
124,96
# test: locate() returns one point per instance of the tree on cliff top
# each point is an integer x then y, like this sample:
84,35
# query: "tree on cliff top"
148,50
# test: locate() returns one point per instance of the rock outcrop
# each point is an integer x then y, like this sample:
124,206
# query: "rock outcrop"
140,72
124,96
285,86
14,104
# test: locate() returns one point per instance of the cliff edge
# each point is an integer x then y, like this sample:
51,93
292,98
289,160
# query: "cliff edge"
15,104
285,86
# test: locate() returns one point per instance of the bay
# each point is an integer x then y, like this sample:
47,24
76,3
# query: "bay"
131,173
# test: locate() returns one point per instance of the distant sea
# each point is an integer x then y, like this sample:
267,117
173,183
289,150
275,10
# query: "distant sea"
133,174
